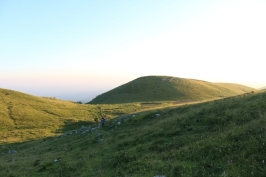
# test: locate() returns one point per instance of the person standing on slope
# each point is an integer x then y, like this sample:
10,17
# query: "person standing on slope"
103,121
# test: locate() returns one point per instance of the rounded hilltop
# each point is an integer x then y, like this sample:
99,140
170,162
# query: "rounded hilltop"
167,88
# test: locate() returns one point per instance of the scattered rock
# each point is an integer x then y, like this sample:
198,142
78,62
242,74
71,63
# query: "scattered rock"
12,151
83,128
112,124
57,160
84,132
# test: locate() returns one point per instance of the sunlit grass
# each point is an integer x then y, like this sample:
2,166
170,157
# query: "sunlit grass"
165,88
26,117
216,138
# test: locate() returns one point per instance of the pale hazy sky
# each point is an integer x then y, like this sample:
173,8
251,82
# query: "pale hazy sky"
64,47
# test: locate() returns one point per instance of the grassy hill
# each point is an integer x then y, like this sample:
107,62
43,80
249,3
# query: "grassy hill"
219,138
165,88
24,117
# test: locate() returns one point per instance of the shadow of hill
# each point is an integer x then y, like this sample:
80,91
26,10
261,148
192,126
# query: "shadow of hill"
71,125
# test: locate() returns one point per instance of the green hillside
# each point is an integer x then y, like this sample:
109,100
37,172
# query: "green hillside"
24,117
218,138
165,88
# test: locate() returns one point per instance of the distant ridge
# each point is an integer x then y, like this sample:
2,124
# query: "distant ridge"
166,88
263,89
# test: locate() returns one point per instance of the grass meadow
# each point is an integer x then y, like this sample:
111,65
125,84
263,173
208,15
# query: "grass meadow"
218,138
25,117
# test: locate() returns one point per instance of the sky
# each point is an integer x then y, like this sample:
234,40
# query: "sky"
79,49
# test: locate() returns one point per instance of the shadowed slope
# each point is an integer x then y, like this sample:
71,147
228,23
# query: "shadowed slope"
164,88
218,138
23,116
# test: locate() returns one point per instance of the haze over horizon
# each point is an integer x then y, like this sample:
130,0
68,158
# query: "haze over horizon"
77,50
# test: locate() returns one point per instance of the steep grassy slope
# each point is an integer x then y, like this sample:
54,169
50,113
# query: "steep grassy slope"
219,138
24,116
164,88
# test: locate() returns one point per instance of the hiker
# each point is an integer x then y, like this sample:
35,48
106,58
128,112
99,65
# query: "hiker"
102,121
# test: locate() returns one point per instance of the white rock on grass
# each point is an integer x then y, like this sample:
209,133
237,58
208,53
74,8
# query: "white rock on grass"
83,128
57,160
84,132
12,151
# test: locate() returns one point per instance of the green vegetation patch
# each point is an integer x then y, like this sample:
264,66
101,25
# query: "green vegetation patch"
217,138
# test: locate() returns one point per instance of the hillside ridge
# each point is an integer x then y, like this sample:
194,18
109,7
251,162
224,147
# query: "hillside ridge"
167,88
224,137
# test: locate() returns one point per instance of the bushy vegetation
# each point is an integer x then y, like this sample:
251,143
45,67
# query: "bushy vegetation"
219,138
165,88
